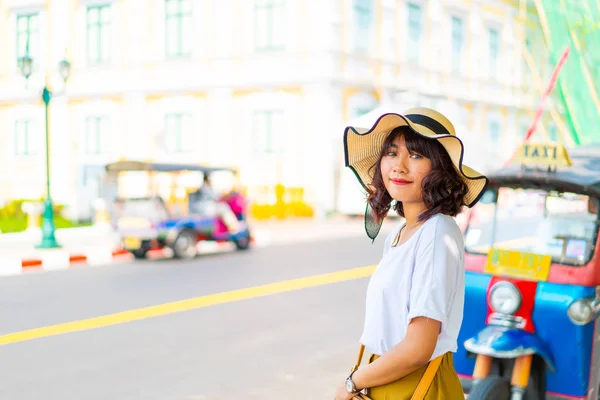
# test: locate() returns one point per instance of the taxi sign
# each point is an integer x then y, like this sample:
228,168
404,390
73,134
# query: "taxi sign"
518,264
551,154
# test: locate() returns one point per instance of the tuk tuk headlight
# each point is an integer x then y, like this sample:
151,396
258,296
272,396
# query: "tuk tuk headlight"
580,312
505,298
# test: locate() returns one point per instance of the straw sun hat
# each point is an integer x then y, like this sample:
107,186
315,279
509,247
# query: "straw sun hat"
363,146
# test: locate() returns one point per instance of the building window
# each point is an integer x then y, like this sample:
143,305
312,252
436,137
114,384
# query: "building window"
28,36
494,132
363,17
494,49
269,25
269,131
98,34
178,28
524,128
178,133
362,111
457,43
388,32
526,71
553,133
96,135
415,29
26,141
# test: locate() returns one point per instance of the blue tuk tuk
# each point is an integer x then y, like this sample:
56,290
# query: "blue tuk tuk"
531,328
148,223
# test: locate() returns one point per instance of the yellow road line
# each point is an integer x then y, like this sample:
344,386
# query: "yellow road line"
189,304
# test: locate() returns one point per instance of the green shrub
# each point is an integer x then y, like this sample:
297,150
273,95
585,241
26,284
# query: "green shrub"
13,219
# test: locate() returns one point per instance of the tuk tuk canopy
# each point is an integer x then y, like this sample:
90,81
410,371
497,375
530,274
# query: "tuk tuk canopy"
160,178
582,176
121,166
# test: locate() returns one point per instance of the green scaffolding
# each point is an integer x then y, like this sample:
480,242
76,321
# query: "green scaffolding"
576,24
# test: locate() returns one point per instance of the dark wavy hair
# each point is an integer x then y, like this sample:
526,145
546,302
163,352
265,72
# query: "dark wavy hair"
443,188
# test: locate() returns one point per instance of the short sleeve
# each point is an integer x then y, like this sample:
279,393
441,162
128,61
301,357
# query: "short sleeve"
438,263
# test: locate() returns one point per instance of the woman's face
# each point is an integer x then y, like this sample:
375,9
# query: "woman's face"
403,172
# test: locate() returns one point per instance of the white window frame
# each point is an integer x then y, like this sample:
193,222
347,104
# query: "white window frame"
389,33
81,47
102,135
274,9
498,26
261,168
25,113
39,64
200,147
493,118
32,135
354,25
493,60
552,128
363,101
111,35
419,55
524,122
184,140
464,22
113,136
276,145
190,44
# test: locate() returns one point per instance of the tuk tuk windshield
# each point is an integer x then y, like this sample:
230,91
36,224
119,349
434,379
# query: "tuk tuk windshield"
562,225
151,208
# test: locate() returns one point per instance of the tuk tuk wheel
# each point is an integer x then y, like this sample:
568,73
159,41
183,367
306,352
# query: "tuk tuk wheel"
491,388
243,242
139,253
185,245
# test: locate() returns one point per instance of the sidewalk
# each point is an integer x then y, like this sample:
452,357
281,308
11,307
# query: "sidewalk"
94,245
100,245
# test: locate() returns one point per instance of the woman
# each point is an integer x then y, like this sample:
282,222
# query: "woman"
415,298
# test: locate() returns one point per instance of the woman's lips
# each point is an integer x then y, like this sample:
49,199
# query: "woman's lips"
400,181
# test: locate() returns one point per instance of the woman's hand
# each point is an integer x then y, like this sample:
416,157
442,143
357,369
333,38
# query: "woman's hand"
342,394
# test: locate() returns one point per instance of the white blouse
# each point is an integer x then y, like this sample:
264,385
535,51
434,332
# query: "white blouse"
422,277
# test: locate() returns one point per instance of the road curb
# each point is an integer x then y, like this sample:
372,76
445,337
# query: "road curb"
52,260
60,259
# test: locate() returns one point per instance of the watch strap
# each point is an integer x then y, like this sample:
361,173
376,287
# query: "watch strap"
349,378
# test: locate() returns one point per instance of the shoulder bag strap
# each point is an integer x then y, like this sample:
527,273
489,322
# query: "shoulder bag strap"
427,379
360,396
360,356
423,385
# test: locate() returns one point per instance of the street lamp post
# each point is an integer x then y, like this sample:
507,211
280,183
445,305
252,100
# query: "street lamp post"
48,227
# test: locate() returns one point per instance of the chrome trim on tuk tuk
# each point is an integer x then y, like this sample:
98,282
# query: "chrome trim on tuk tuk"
503,342
508,321
488,351
594,305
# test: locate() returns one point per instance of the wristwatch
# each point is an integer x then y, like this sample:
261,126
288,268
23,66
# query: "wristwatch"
350,386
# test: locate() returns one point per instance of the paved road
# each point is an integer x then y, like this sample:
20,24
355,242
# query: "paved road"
292,345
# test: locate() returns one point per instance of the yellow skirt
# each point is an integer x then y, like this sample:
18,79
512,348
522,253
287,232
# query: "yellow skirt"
445,384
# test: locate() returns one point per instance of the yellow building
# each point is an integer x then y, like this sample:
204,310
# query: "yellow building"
263,85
